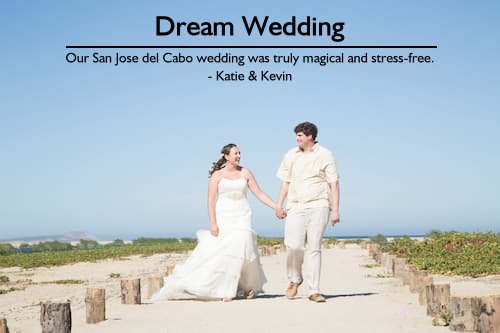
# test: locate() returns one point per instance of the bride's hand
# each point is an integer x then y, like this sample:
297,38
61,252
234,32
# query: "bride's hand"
214,230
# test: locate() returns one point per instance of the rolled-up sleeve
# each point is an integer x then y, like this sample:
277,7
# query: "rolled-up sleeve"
284,171
330,168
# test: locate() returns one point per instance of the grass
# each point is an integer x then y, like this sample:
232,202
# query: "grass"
141,246
39,259
67,281
11,289
370,265
378,276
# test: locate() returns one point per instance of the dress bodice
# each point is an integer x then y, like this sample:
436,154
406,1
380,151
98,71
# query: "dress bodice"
233,189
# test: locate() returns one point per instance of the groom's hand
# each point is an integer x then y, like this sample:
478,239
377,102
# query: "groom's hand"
280,213
335,218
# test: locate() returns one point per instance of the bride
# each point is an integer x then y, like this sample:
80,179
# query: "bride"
225,263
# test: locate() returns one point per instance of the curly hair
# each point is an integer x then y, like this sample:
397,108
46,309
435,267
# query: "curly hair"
220,163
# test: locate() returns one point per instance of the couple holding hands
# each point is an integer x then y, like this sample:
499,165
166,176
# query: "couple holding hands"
225,263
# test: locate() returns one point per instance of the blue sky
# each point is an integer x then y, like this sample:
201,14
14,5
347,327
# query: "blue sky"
124,151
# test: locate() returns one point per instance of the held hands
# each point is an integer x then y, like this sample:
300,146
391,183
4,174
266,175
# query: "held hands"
214,230
280,213
334,217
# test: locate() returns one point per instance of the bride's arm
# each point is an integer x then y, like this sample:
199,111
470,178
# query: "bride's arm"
212,197
254,187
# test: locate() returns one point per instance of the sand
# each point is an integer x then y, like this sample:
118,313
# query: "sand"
357,301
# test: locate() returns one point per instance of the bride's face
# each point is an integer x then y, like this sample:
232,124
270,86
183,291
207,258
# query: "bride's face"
233,157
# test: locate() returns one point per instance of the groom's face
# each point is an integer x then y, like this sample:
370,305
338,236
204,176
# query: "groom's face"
304,141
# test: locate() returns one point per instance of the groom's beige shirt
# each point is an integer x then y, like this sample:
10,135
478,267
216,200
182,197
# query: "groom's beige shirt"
309,175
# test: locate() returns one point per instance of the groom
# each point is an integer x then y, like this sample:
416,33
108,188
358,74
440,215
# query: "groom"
310,180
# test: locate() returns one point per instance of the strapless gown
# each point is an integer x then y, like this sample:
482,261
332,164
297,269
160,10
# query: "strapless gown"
223,266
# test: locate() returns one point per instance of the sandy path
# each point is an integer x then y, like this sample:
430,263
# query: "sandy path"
356,302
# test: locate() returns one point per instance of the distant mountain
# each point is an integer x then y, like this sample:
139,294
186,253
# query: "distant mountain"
72,236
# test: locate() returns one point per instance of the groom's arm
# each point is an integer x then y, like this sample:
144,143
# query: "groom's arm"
280,212
334,201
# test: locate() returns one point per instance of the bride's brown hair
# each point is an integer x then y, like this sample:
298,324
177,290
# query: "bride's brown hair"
219,164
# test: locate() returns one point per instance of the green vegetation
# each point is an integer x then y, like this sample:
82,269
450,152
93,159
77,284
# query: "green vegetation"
114,275
269,240
67,281
4,278
5,291
51,253
458,253
59,253
370,265
6,249
378,276
378,239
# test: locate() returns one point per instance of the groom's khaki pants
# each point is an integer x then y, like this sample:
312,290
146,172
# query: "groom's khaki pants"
304,230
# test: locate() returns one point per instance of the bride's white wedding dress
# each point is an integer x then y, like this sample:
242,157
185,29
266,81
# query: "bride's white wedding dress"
223,266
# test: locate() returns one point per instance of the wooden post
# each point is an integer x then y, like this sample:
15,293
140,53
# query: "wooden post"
270,250
153,284
414,276
95,303
170,270
399,267
55,317
373,249
389,264
438,298
383,259
465,313
489,318
131,291
424,282
3,325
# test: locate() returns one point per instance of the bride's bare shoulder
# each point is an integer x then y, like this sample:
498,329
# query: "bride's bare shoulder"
216,176
246,173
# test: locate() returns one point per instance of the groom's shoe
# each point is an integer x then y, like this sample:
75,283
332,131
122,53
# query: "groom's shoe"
318,298
292,289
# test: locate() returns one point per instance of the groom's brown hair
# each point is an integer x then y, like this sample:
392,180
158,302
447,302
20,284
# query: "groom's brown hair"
307,128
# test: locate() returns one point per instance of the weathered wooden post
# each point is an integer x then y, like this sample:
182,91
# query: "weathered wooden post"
465,313
3,325
438,298
153,284
373,249
489,318
423,282
131,291
414,275
55,317
95,304
400,267
389,264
